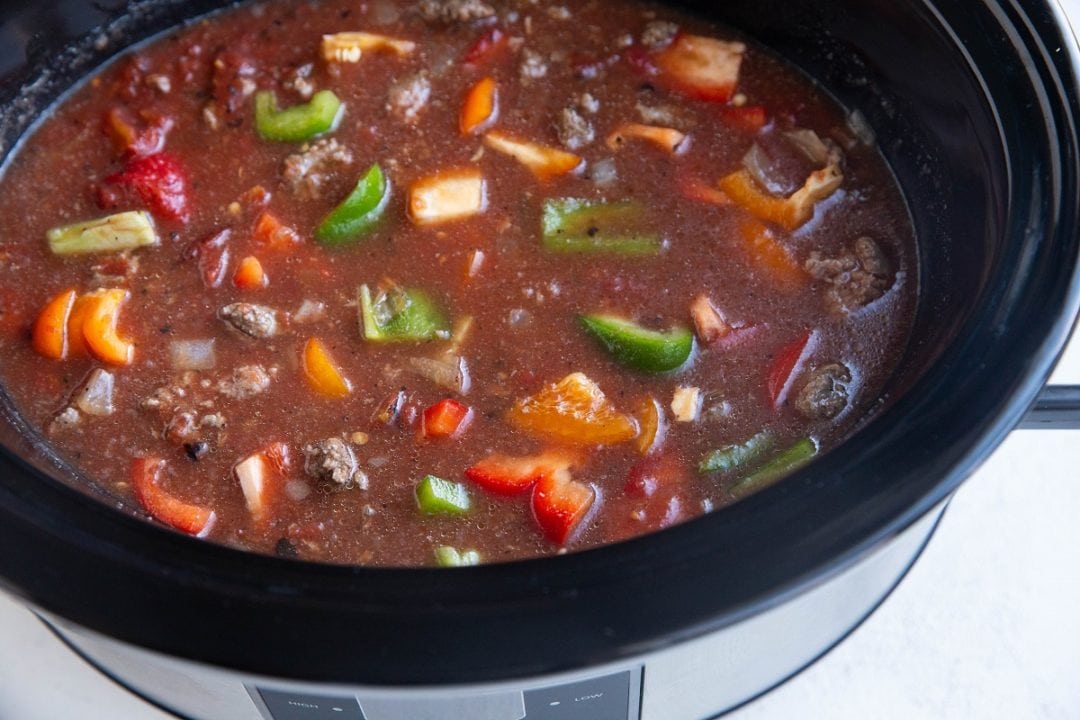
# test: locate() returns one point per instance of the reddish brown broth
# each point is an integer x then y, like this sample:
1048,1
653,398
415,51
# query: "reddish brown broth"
53,177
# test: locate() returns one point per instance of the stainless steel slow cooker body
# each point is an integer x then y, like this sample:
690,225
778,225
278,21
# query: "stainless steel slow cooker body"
974,104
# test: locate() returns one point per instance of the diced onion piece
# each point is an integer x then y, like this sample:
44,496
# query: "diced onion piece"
481,107
708,321
703,68
349,47
260,477
604,172
458,336
96,396
123,231
667,138
322,373
446,556
252,472
544,161
447,196
310,311
474,264
686,404
50,333
810,144
451,374
195,354
860,127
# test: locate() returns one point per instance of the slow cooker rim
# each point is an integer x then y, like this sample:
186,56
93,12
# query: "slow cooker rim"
195,567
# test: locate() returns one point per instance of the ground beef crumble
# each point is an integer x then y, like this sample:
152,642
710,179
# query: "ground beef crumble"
454,11
855,278
307,172
331,460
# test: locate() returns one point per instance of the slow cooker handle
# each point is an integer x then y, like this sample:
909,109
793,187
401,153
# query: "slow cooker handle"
1056,408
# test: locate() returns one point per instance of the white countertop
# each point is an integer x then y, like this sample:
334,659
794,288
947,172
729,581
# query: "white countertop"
986,625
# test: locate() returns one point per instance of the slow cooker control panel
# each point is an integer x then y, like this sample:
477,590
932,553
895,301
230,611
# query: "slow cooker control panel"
608,697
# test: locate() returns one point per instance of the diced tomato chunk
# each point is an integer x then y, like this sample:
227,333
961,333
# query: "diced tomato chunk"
158,181
134,139
785,367
446,419
486,47
506,475
702,68
640,60
163,507
656,479
749,119
273,233
249,274
559,505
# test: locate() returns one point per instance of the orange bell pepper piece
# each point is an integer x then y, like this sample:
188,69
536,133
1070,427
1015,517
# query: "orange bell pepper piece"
50,334
789,213
98,326
767,252
322,373
573,410
481,107
544,161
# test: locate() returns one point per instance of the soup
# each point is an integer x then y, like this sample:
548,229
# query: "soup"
448,282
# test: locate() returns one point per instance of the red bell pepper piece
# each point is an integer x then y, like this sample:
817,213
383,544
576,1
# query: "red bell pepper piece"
163,507
486,46
134,139
560,504
158,181
641,60
211,254
785,367
749,119
505,475
656,484
446,419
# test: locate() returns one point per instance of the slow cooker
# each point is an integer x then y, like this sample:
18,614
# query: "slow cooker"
974,105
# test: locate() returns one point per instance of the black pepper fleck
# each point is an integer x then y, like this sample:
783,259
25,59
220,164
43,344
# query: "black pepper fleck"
196,450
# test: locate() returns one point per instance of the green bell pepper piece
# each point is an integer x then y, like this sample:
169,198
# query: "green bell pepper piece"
572,225
446,556
298,123
783,464
735,456
123,231
357,214
640,348
401,315
435,496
